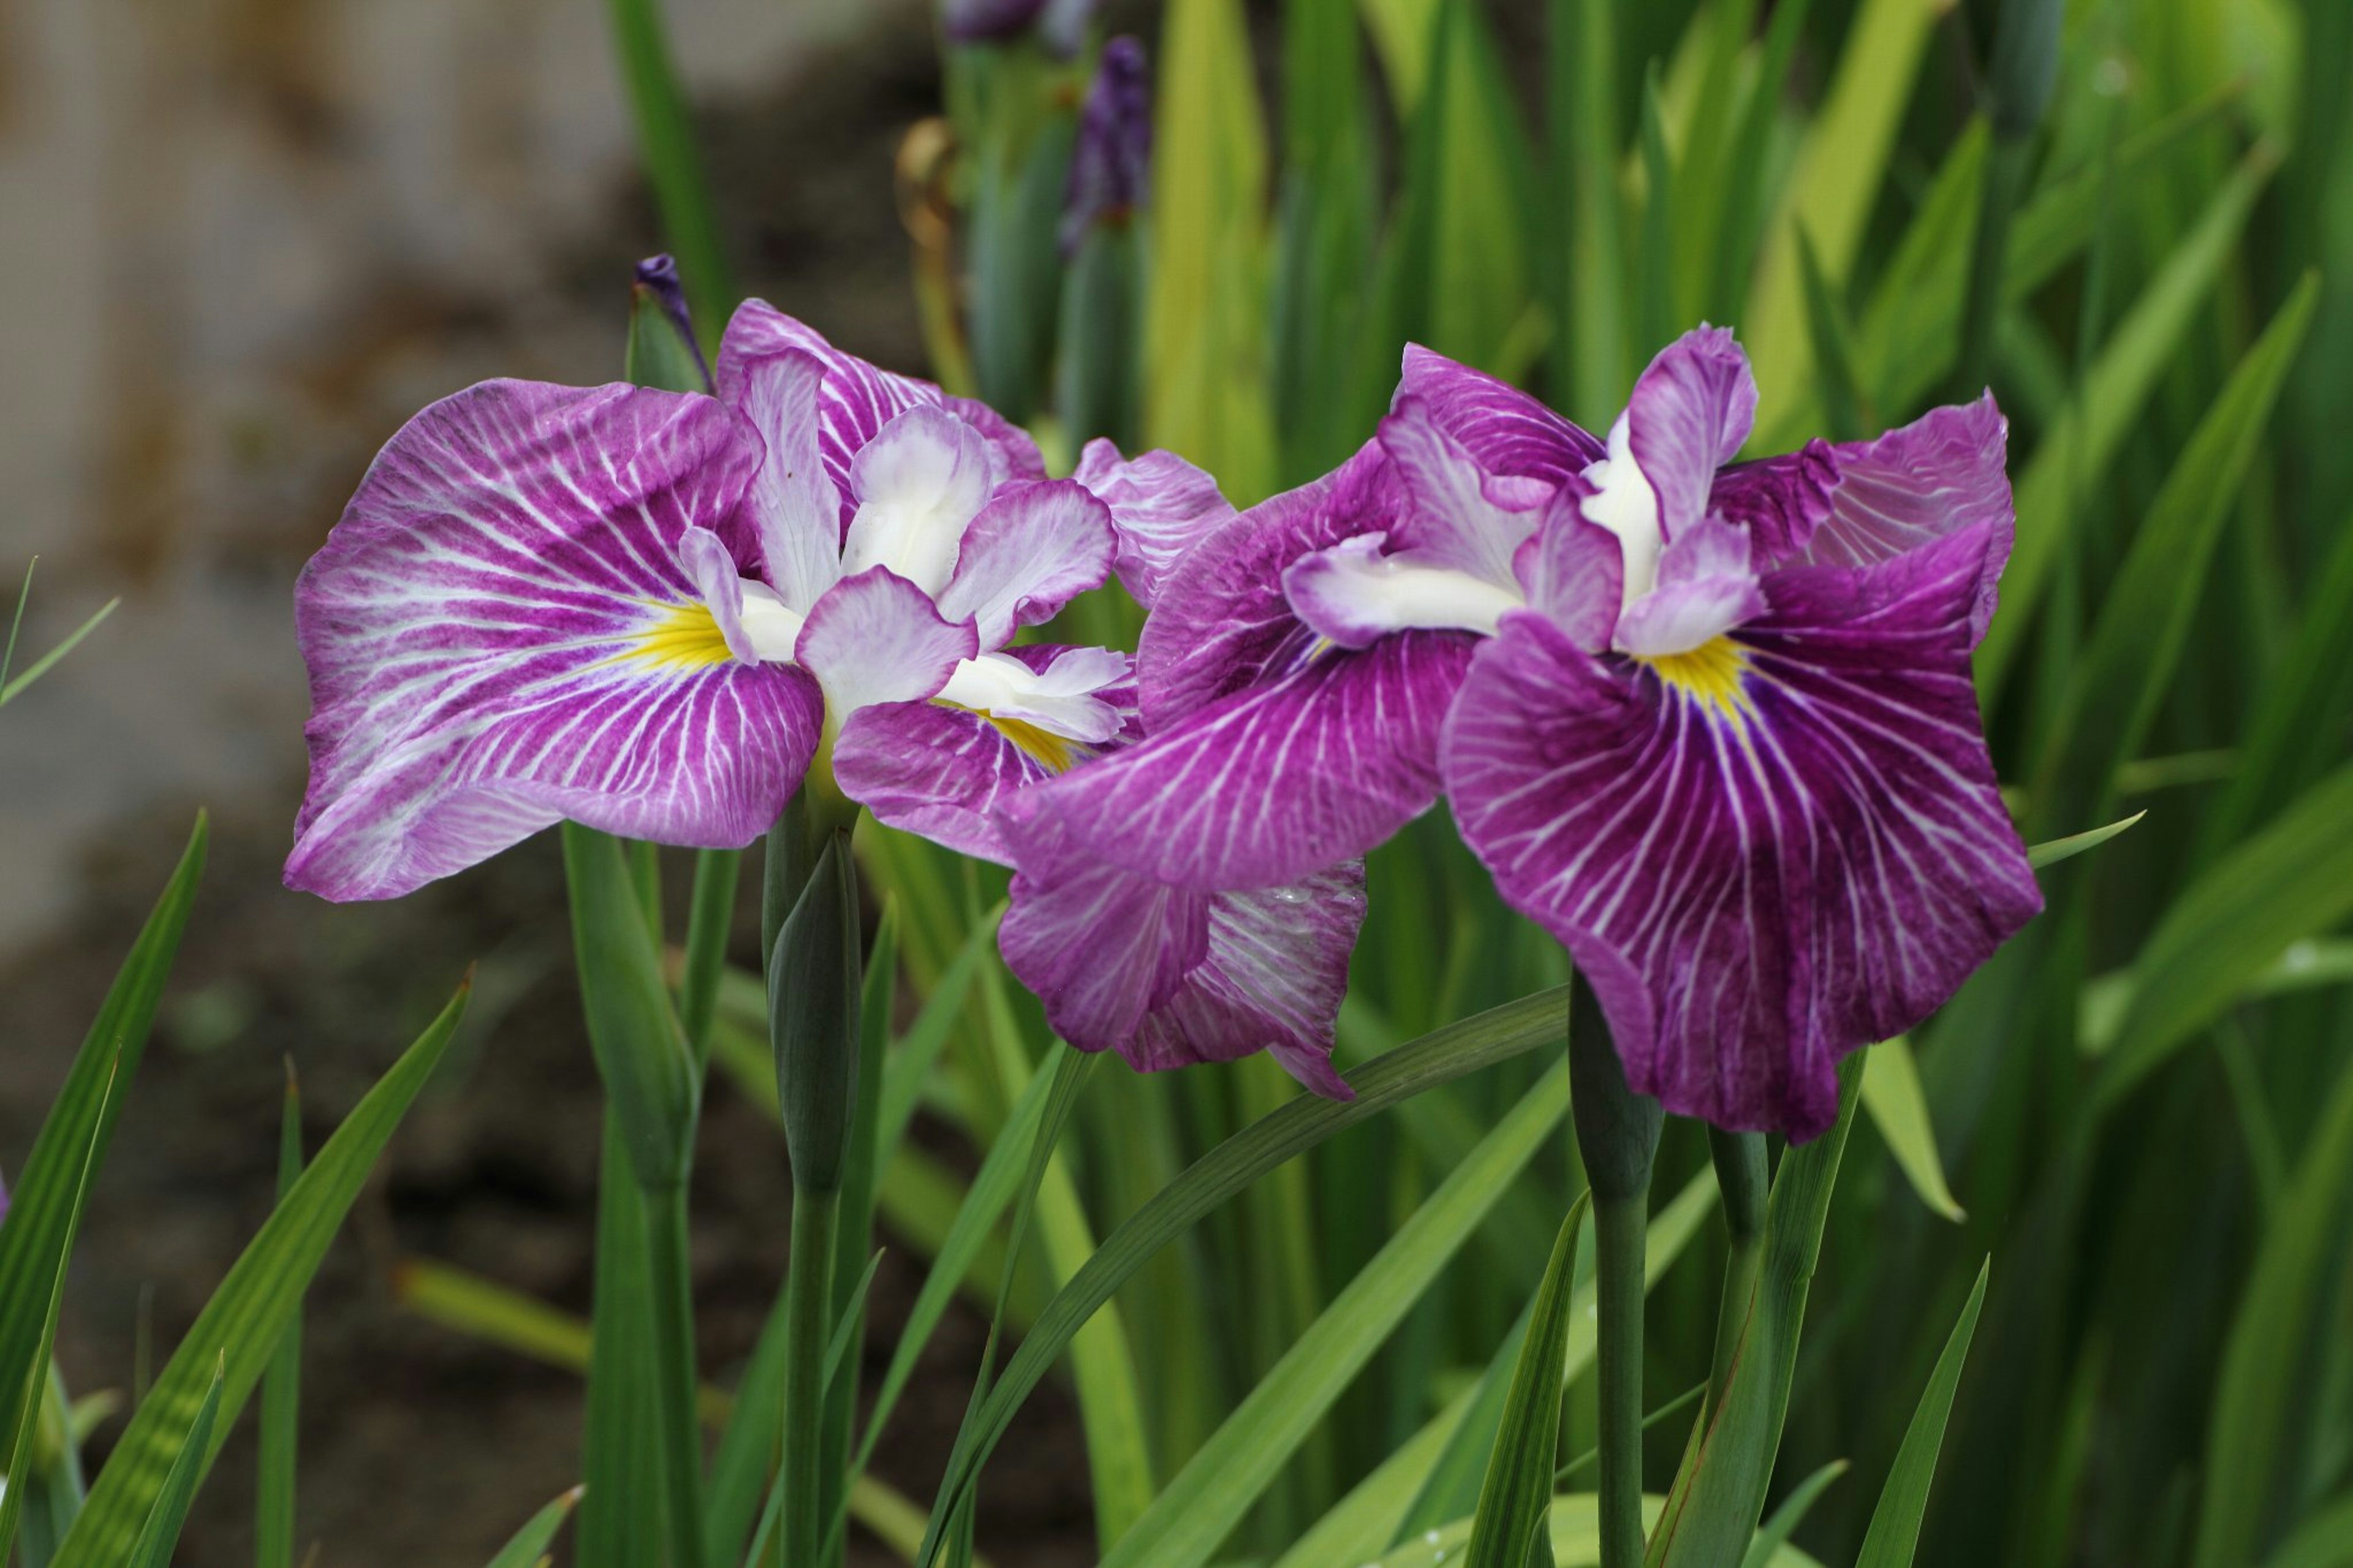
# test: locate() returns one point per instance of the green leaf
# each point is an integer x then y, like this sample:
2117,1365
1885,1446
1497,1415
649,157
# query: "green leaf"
2121,679
529,1544
11,689
918,1050
2254,1440
2084,439
1388,1504
247,1315
1205,388
1474,214
37,1238
1574,1537
1437,1057
1731,1464
1831,340
1517,1497
1899,1109
2323,1541
2052,851
190,1457
674,165
1894,1533
641,1052
2293,879
1591,361
281,1386
1775,1535
1201,1505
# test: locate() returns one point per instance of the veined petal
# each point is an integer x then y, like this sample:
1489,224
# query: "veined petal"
1688,415
1272,783
1031,550
1573,571
1169,977
1940,474
793,508
1780,500
1706,588
877,638
919,484
1222,622
1459,515
942,768
856,399
500,631
1507,431
1761,875
1161,506
1353,594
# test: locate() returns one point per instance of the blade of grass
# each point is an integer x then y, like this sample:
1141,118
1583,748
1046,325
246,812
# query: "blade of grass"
281,1386
530,1542
1516,1497
1792,1513
12,689
161,1532
1894,1533
1592,368
2052,851
248,1314
1899,1109
673,166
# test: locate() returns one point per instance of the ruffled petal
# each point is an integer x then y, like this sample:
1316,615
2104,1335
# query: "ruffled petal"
1161,506
1706,588
1458,515
793,510
500,631
1764,864
1573,572
1505,429
1688,415
1944,472
919,484
877,638
1031,550
1169,977
1222,622
1272,783
1780,500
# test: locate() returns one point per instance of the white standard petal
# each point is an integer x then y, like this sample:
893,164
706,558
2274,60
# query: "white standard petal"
1623,502
919,483
1059,700
1354,594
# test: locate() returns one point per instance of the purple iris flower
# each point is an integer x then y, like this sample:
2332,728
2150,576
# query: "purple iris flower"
1110,165
652,613
1713,726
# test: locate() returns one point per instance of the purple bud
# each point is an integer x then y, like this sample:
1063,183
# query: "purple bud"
1112,160
657,280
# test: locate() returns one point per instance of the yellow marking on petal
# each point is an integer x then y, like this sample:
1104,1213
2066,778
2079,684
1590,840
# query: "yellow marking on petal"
1056,753
1709,675
684,637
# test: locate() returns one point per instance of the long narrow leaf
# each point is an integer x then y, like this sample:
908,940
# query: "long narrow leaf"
161,1532
1894,1533
1516,1499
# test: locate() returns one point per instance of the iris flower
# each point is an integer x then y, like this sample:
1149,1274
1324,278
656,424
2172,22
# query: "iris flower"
654,612
1712,725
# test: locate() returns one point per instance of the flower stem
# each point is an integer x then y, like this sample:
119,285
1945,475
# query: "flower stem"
808,1291
1618,1134
671,1290
1741,1178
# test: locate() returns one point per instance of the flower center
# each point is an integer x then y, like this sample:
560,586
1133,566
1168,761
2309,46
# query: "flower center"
1709,675
1051,714
685,637
1056,752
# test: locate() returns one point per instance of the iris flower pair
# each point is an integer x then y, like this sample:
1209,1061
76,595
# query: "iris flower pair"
1712,726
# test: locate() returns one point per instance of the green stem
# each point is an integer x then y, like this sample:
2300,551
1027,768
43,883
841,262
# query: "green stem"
1741,1178
2005,180
808,1302
1617,1135
675,1388
716,872
674,168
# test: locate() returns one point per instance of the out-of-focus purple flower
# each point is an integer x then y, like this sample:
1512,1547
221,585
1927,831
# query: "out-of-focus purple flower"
1112,164
1060,24
1730,755
642,610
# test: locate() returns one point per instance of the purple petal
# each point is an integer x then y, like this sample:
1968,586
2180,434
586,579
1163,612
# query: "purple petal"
1458,514
1574,571
942,771
1706,588
1222,622
1689,414
877,638
1031,550
500,631
1762,875
792,508
1940,474
1160,505
1169,977
1505,428
1780,500
1269,784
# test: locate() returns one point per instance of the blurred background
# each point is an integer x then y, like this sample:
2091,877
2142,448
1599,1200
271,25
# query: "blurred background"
250,238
